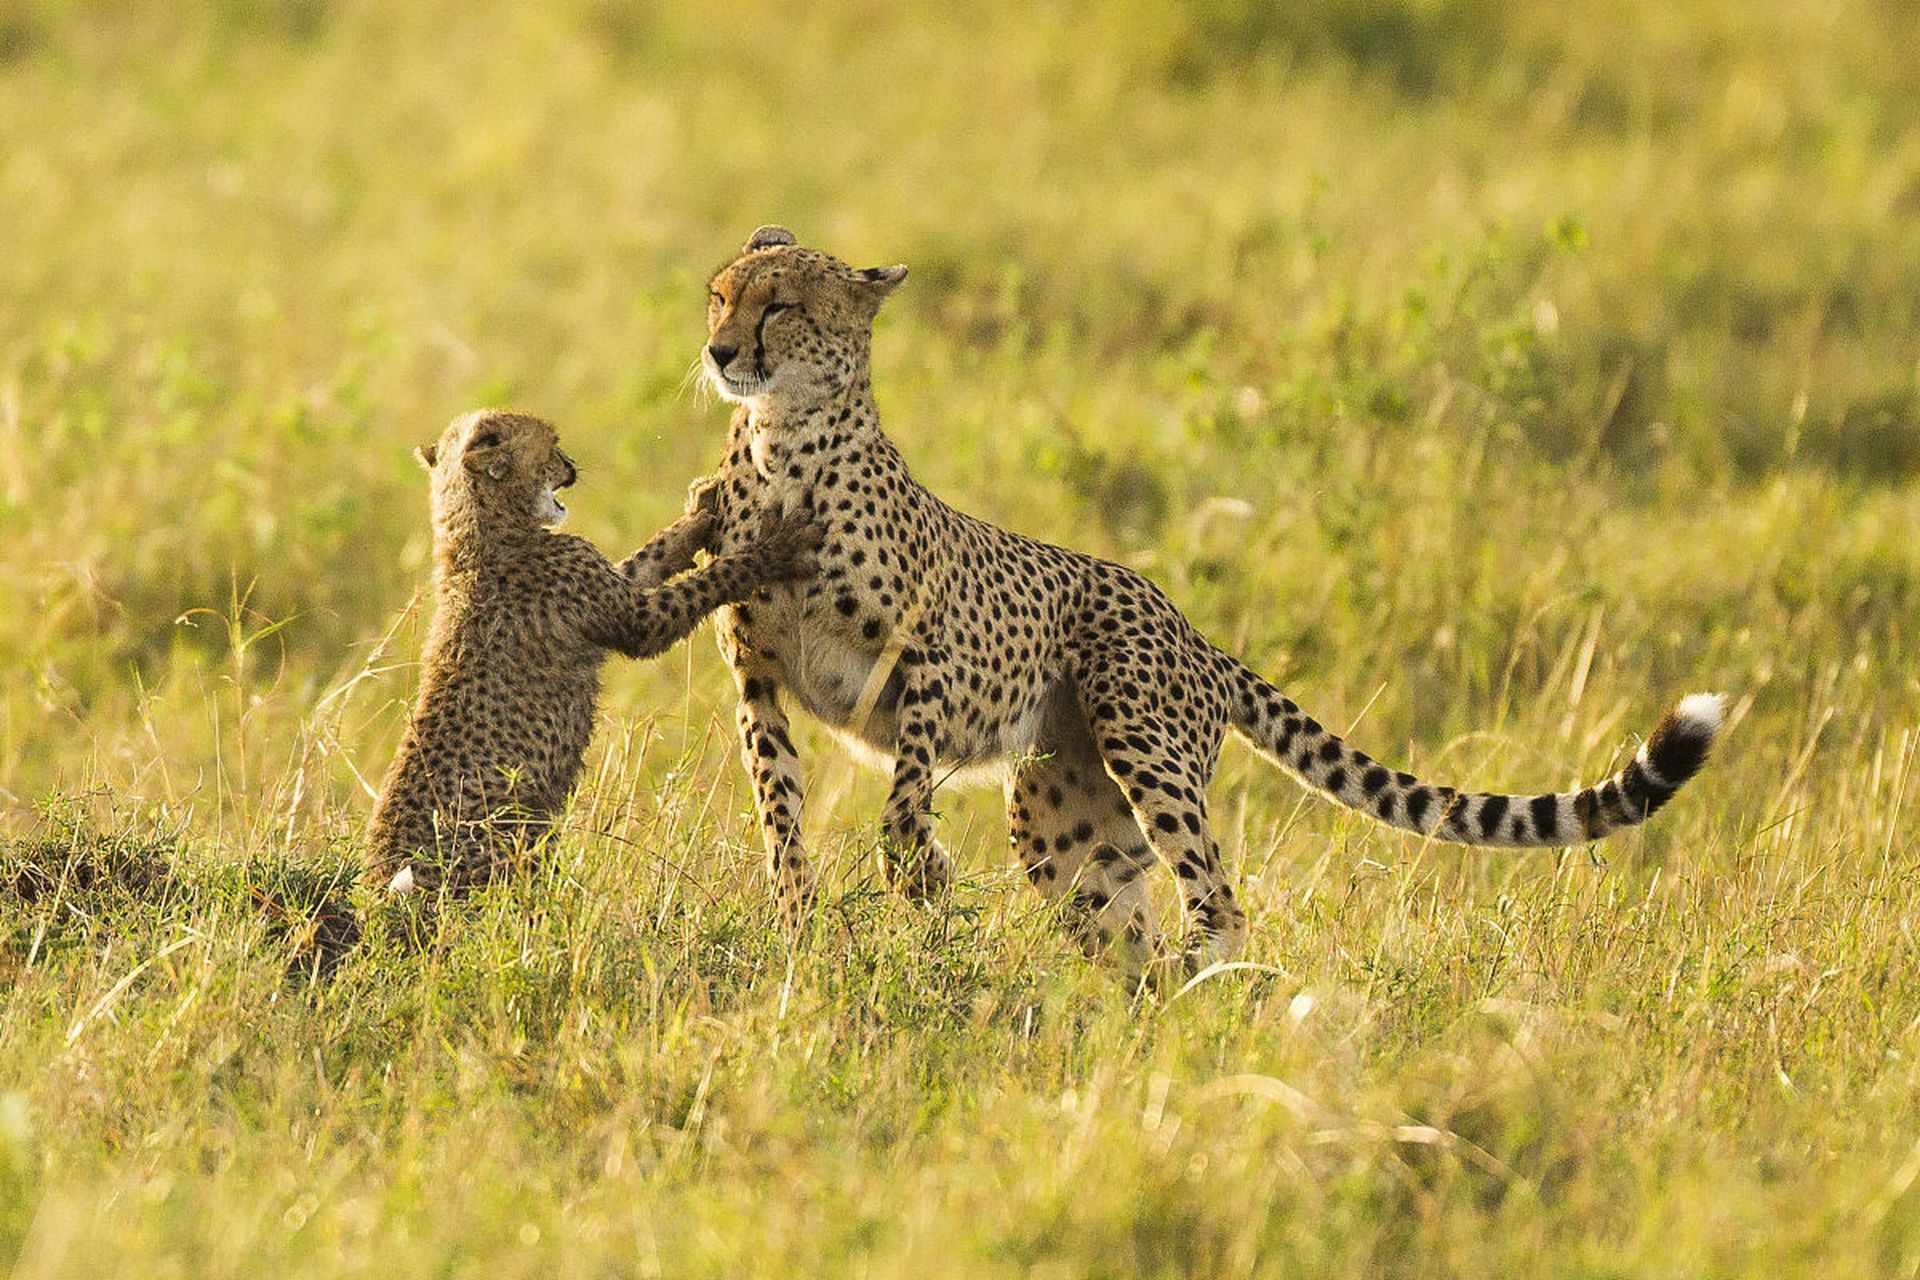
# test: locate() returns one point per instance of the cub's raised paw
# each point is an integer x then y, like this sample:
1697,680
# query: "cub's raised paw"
703,497
786,544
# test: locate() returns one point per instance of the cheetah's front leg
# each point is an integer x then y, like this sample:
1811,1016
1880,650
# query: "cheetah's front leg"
911,859
766,749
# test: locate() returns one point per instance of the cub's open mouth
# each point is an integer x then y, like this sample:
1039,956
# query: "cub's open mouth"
552,510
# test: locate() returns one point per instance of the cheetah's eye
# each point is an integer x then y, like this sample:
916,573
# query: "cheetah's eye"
486,439
775,308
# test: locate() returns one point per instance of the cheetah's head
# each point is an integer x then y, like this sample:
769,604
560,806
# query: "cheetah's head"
504,470
788,325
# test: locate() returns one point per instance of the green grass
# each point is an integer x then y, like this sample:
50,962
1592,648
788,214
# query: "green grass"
1489,375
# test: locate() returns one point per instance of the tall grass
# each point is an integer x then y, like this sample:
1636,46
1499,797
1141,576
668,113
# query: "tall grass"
1488,375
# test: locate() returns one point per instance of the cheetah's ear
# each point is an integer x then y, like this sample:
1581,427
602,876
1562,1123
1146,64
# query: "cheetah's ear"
771,236
876,283
428,455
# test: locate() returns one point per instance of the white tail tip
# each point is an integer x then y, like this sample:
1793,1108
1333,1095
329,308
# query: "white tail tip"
403,882
1708,711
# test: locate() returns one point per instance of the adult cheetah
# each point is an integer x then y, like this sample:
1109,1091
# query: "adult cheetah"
936,640
523,619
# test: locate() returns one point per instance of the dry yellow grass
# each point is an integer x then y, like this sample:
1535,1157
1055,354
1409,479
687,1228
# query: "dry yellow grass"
1488,378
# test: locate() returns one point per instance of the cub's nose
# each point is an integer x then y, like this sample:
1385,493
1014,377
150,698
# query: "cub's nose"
721,355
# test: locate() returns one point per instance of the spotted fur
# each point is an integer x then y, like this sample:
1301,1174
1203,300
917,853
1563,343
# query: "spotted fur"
523,619
936,641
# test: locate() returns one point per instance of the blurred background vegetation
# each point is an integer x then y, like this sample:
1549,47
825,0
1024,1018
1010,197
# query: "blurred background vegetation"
1488,374
1449,291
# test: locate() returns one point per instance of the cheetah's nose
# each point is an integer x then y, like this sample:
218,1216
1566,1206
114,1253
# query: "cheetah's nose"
721,355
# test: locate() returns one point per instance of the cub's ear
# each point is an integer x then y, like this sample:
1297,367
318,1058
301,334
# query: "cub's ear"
488,454
491,463
771,236
428,454
876,283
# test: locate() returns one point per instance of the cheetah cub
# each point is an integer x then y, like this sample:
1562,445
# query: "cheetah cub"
935,641
523,619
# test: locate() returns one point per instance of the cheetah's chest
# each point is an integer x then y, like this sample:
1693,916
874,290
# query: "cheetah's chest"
879,589
831,637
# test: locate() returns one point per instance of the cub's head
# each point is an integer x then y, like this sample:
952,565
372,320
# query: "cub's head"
788,325
499,470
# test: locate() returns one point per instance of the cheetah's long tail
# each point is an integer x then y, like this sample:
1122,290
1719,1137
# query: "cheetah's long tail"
1678,747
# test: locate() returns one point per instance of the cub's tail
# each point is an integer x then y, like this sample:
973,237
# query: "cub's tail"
1277,728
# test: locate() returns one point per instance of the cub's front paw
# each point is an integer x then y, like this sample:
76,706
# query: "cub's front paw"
673,550
703,497
785,547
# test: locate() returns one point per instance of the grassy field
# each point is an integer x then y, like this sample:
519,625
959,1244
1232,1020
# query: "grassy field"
1488,375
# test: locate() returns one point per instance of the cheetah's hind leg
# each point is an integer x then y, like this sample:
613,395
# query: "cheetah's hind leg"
1163,761
1077,838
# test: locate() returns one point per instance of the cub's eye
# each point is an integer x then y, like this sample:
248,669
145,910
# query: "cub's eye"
486,439
715,300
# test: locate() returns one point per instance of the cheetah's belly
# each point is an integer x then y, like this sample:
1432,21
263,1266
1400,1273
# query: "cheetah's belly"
841,682
828,672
